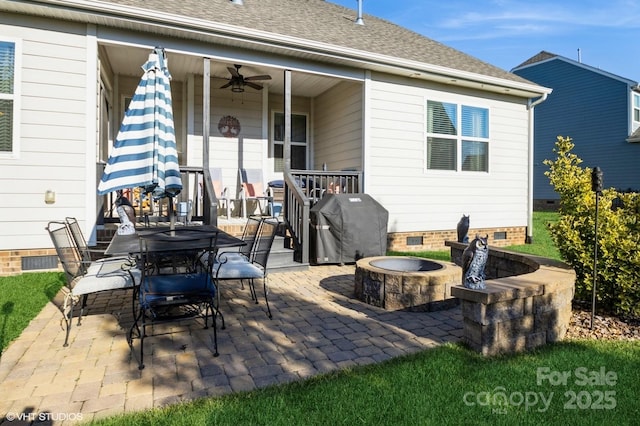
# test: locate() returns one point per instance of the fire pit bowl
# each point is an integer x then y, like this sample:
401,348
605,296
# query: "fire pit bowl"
406,283
405,264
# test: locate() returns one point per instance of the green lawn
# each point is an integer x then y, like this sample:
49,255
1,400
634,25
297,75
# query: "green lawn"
22,297
542,243
445,385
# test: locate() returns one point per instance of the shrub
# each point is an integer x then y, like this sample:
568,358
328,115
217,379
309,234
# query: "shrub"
618,266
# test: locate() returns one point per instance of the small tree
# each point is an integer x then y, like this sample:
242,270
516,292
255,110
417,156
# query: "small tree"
618,269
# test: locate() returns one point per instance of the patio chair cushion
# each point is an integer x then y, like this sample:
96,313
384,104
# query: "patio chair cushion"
106,275
230,256
237,269
176,289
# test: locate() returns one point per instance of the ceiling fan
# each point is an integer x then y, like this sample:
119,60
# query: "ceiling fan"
238,81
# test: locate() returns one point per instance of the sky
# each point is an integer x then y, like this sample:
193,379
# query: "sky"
601,33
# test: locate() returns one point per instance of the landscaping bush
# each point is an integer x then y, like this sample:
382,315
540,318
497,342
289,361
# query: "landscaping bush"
618,266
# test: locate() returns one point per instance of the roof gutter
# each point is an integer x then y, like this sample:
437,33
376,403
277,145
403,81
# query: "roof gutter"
93,11
531,104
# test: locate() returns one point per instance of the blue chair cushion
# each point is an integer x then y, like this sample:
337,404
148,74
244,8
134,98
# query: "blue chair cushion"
279,183
176,289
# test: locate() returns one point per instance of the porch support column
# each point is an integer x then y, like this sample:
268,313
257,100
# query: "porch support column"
287,121
209,201
206,111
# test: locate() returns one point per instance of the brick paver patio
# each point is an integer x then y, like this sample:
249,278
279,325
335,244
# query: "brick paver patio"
317,327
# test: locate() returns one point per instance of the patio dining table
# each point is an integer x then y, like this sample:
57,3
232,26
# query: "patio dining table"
124,245
176,281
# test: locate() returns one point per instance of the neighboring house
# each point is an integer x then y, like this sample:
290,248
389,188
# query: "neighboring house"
435,133
600,111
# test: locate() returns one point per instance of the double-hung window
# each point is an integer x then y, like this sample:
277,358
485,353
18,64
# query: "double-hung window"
299,132
8,98
457,137
636,109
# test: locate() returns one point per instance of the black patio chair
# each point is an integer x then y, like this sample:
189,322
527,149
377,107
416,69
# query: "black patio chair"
255,266
88,254
176,284
249,233
85,277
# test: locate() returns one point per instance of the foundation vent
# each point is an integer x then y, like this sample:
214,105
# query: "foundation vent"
32,263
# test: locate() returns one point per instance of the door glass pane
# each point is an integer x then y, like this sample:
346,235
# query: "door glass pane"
298,128
278,126
298,157
278,157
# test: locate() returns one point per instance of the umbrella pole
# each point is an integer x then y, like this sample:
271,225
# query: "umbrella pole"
172,217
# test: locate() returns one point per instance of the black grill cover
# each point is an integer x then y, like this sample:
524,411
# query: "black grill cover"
347,227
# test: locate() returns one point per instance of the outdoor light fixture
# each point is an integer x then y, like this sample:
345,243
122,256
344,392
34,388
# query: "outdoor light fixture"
237,87
49,196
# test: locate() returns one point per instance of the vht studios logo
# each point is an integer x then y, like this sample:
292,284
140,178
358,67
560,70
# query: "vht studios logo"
594,391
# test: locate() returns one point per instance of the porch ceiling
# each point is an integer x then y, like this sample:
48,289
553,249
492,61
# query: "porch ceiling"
127,60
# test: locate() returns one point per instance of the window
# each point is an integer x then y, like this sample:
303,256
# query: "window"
8,98
636,107
299,133
457,137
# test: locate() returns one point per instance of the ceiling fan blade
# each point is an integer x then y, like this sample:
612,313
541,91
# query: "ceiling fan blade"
250,84
234,72
226,85
257,77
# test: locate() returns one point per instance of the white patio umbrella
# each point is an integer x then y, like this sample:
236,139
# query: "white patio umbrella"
144,153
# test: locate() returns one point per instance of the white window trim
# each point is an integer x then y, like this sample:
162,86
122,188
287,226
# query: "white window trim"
459,138
15,97
272,131
634,123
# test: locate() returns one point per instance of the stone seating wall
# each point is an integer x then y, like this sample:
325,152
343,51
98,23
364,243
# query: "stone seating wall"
527,302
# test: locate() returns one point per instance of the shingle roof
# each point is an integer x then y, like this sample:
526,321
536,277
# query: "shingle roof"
542,56
324,22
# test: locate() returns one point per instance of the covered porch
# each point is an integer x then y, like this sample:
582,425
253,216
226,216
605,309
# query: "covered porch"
301,127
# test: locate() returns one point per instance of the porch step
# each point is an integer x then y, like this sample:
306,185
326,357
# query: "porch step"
281,257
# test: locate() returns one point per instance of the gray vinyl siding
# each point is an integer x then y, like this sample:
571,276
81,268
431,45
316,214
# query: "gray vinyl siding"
592,108
419,199
53,133
337,125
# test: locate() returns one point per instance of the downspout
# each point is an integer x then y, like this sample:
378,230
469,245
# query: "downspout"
530,106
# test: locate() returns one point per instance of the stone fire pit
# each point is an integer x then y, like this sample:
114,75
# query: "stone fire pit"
406,283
